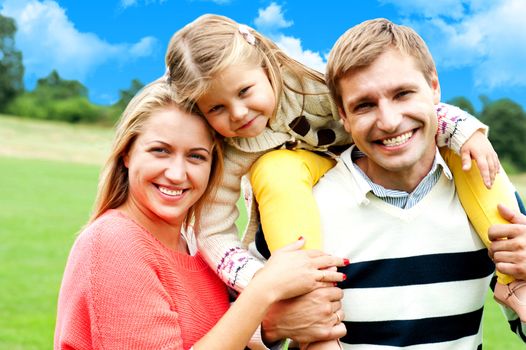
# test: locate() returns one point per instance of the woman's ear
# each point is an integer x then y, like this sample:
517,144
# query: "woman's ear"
126,160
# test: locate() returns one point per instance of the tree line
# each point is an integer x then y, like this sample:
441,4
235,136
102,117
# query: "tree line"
55,98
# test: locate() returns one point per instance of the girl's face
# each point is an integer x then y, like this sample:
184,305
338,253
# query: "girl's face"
240,101
169,166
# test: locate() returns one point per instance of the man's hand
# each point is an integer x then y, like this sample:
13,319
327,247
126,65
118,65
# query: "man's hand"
508,243
312,317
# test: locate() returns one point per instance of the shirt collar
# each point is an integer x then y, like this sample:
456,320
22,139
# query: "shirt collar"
365,184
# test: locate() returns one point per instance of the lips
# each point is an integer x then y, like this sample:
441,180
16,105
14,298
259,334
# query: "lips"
247,124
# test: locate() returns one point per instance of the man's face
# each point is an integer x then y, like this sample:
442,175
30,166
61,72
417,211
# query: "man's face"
389,109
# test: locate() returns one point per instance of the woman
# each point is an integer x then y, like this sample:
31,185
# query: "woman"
132,280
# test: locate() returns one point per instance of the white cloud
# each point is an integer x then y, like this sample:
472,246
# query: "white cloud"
292,46
426,8
487,36
270,21
271,18
128,3
49,40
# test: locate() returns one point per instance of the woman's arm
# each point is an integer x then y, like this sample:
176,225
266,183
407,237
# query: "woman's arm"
288,273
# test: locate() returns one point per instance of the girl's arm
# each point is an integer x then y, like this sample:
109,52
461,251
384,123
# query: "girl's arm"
467,137
288,273
218,237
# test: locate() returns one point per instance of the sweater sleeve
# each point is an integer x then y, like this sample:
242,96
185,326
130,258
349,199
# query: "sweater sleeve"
455,127
114,296
218,237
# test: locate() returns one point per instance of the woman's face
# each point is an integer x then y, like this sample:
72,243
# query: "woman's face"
169,165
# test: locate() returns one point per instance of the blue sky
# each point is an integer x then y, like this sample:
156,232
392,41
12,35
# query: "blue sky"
479,45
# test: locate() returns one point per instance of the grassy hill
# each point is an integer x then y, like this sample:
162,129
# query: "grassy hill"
49,177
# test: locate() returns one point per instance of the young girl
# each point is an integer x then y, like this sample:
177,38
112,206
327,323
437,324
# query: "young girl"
260,100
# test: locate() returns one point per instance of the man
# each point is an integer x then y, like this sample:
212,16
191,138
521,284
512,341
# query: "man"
419,273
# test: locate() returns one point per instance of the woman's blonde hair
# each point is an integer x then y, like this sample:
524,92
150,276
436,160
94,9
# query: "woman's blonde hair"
204,48
113,187
361,45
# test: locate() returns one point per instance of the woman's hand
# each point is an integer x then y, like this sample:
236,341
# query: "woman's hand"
291,272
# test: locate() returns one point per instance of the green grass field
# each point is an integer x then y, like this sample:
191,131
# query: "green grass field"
45,202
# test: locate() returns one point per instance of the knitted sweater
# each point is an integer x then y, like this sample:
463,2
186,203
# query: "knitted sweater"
123,289
307,122
418,277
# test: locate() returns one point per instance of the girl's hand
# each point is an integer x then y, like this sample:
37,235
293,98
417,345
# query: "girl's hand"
479,149
291,272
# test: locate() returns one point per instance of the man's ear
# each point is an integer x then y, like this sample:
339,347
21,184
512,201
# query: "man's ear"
435,86
345,120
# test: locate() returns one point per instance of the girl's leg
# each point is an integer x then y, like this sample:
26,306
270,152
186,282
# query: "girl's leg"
480,205
282,182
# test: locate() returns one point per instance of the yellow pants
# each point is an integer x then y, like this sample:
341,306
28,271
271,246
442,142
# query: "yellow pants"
282,182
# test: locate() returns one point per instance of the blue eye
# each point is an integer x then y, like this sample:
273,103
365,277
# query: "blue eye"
215,109
244,91
197,156
160,150
363,107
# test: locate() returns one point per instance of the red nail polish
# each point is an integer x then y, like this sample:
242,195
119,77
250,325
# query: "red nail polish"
300,238
346,262
344,277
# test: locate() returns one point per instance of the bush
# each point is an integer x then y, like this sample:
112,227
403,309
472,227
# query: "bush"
76,109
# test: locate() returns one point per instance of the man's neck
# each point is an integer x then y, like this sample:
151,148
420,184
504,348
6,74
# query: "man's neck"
404,180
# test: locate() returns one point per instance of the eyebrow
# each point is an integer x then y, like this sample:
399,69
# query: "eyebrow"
169,145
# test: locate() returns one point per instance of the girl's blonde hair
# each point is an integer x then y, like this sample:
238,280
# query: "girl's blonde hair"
113,187
202,49
361,45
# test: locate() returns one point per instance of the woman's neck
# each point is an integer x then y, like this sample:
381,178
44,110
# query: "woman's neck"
169,234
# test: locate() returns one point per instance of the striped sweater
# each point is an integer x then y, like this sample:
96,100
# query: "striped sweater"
418,277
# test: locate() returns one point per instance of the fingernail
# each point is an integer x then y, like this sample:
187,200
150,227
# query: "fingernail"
344,277
300,238
346,262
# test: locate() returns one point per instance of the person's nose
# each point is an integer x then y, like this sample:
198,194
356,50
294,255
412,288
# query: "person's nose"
238,111
388,117
176,170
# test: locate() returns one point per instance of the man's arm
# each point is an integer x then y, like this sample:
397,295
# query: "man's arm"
508,251
306,319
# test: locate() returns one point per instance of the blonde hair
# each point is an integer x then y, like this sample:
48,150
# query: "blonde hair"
361,45
113,187
204,48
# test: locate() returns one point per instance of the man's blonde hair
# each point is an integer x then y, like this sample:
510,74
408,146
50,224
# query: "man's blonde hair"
361,45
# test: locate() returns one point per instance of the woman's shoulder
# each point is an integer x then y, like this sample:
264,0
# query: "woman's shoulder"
112,231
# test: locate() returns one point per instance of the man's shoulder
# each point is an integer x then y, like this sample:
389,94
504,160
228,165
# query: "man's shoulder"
338,181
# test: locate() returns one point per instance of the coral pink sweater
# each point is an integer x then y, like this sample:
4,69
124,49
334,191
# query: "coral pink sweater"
122,289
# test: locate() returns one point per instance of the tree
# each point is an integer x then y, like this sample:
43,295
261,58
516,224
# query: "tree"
127,95
464,104
55,88
507,122
11,67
